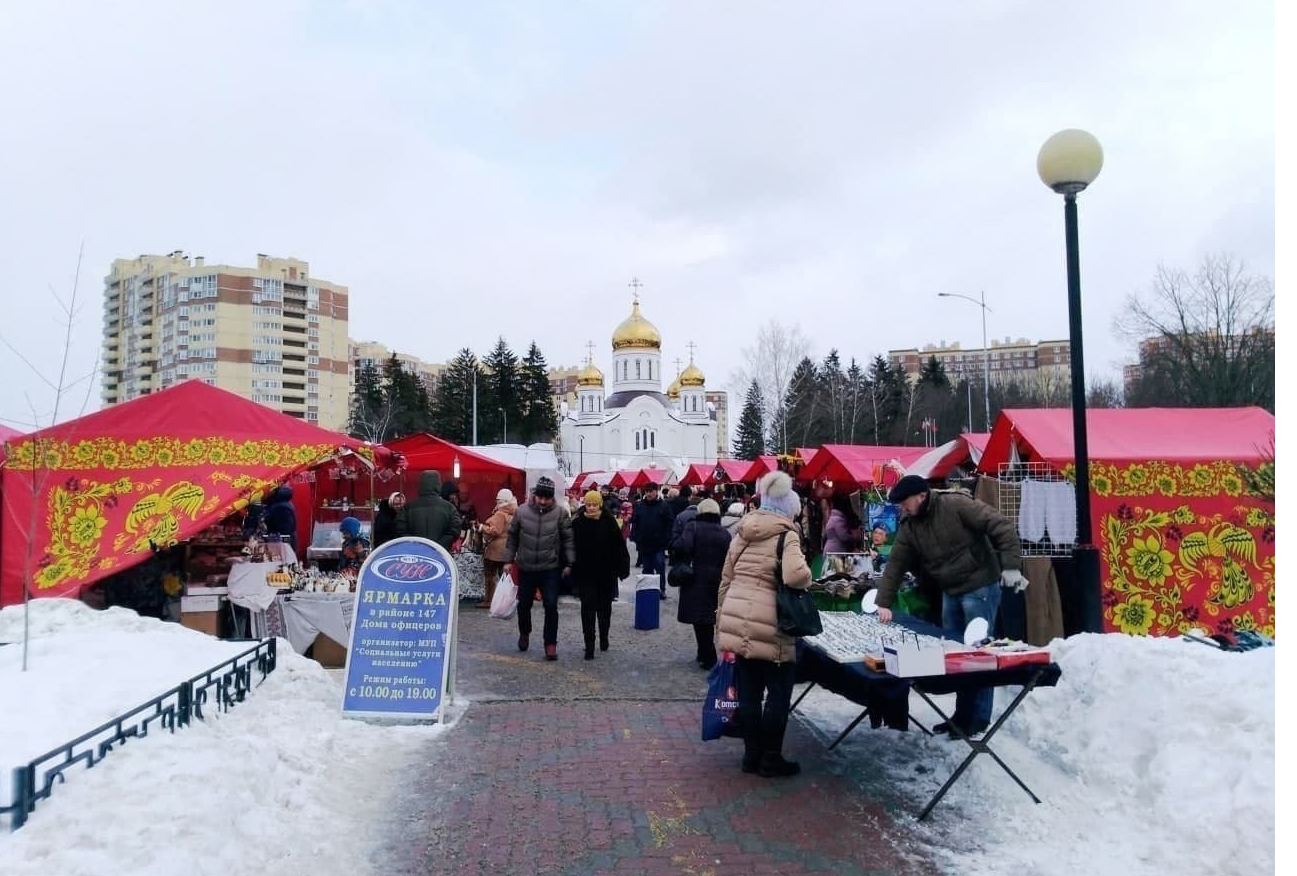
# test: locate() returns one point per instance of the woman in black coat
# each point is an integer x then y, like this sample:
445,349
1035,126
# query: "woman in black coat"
389,522
705,543
601,560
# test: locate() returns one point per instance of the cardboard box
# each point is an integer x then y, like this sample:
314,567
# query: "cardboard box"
911,660
210,622
199,604
328,653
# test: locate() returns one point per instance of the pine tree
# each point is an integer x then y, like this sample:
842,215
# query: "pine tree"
854,405
371,414
934,373
501,403
748,442
832,391
539,419
802,401
453,406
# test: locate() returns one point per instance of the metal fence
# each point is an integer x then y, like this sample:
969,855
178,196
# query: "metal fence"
220,687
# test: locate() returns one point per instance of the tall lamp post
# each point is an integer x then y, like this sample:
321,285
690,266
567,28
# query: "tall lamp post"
986,355
1068,162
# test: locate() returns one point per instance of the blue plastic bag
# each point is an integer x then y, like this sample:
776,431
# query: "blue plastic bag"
721,707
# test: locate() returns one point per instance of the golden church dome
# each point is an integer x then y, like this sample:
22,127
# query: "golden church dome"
691,376
636,332
590,375
673,391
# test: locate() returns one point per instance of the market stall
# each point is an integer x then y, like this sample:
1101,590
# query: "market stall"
849,467
111,490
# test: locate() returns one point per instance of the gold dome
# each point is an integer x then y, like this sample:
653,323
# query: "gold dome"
691,376
636,332
673,391
589,376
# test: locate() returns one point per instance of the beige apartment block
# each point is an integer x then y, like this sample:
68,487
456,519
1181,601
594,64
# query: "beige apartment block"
273,334
366,354
1041,363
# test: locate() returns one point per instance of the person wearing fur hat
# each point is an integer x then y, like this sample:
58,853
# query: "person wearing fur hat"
389,521
704,543
966,548
747,626
494,532
601,561
733,515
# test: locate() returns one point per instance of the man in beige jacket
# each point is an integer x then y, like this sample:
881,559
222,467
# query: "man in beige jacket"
746,622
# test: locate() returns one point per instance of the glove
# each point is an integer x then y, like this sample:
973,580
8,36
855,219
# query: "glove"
1011,579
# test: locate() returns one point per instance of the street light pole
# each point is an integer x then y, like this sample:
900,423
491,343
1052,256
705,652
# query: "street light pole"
475,405
581,446
1068,162
980,301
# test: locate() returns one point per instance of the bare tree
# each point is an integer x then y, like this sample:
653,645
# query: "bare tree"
770,361
1206,339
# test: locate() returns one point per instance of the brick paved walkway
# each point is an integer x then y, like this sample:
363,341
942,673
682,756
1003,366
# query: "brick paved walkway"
596,767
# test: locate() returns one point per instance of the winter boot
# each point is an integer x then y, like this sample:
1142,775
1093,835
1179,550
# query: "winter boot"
773,766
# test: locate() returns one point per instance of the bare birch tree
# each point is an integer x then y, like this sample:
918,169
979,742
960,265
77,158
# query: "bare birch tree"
770,361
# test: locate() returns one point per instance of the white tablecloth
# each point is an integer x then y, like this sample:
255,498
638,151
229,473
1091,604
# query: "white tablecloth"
308,614
248,588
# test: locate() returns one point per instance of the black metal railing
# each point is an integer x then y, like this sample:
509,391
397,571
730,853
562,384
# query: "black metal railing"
224,684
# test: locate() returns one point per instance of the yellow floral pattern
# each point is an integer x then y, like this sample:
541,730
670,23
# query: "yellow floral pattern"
1194,550
113,454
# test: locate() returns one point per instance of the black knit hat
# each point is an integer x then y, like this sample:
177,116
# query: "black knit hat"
544,487
910,485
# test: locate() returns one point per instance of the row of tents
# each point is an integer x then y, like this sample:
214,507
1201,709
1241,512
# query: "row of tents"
1179,506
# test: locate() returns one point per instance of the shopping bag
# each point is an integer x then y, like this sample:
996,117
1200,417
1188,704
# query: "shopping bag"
721,706
795,611
505,601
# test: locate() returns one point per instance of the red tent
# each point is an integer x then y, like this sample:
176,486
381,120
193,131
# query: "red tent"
859,465
759,467
623,479
480,477
91,495
698,474
1179,509
7,434
962,450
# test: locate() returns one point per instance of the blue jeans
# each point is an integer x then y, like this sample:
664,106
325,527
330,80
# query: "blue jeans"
655,561
972,707
547,581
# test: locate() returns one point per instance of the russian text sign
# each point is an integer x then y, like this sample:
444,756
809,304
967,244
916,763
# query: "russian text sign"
398,664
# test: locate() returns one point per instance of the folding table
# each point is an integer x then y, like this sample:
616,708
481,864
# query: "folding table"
857,682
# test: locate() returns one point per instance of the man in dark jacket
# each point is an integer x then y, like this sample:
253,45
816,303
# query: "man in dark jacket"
967,549
431,516
680,501
540,543
650,529
280,516
705,544
611,502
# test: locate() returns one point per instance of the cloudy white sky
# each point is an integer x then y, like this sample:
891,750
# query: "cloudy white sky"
471,170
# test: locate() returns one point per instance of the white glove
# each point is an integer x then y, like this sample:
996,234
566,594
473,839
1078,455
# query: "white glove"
1011,579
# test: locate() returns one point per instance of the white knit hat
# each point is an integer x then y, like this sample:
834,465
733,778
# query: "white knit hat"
735,509
776,492
709,506
505,497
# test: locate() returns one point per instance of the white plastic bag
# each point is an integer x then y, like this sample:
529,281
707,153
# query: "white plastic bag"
505,601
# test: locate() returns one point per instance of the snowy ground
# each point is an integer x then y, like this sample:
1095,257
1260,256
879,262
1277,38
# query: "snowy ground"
1152,757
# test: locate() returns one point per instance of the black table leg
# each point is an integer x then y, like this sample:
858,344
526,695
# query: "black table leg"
793,707
850,727
978,746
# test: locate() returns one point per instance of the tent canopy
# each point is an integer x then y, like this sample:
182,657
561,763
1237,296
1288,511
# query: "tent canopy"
938,462
760,467
535,460
7,434
427,452
859,465
1125,435
95,495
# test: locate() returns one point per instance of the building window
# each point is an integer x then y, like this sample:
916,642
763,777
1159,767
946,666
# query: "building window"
637,374
637,439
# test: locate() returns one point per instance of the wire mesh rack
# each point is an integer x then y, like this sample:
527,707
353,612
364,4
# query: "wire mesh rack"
1012,475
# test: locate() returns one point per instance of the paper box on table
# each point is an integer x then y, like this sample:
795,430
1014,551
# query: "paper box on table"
912,660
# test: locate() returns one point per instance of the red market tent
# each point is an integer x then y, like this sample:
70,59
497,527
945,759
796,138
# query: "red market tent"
859,465
759,467
937,463
7,435
480,477
696,475
1178,507
92,495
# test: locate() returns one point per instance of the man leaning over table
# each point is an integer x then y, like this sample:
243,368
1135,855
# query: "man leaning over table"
969,550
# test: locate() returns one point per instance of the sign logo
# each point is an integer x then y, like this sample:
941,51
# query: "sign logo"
408,569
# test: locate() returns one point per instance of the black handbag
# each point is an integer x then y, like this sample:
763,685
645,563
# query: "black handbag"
681,574
795,611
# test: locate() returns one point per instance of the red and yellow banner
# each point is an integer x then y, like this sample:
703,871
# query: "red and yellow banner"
1183,547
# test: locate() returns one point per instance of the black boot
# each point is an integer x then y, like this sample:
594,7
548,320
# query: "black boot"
751,756
774,765
589,649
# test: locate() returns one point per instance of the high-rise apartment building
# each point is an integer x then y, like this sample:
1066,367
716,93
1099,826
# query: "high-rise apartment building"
1008,361
372,354
272,334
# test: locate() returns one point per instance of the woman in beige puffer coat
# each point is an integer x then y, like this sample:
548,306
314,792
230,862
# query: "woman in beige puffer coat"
746,623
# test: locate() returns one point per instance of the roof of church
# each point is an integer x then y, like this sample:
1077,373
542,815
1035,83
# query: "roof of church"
621,399
636,331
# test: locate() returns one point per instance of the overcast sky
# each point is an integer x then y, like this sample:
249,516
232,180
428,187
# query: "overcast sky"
480,169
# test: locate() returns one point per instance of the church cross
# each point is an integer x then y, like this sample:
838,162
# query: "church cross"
635,285
692,346
590,346
677,366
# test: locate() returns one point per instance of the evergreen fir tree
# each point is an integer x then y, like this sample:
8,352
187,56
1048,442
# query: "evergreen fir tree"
453,405
371,415
501,403
749,442
934,373
539,419
802,401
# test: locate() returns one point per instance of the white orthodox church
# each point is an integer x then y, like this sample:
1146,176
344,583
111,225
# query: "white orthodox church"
636,424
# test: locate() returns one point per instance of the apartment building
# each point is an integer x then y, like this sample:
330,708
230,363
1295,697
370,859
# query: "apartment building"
273,334
1008,361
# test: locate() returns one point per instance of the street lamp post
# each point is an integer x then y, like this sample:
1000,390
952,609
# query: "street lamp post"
581,447
1068,162
475,405
986,356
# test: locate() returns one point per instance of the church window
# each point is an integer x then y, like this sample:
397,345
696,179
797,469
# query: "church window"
653,439
637,437
637,374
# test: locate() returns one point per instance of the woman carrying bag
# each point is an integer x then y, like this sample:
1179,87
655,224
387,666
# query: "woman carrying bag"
703,544
494,532
747,622
601,561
